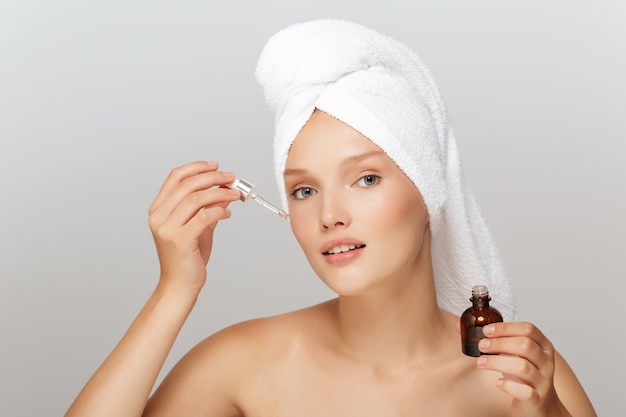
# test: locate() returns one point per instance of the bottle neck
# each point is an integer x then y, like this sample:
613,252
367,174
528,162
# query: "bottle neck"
480,302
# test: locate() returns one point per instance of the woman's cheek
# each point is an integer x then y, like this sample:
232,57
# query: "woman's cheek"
300,223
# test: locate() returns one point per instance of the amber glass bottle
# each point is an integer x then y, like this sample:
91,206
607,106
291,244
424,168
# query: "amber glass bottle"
474,318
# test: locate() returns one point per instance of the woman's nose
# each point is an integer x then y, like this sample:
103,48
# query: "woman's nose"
334,213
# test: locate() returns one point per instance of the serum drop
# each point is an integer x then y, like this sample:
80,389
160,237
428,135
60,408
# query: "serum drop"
474,318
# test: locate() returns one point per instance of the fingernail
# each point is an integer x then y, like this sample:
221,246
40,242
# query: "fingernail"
488,329
228,174
484,344
481,361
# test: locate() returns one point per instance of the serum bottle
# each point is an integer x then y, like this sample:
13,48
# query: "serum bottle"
474,318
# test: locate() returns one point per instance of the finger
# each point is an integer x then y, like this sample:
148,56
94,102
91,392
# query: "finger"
203,225
177,175
513,367
518,390
201,201
528,401
195,235
205,221
521,346
189,186
515,329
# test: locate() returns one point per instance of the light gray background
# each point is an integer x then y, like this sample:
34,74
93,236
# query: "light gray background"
100,99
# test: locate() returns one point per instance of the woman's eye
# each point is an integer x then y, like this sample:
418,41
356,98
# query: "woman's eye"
303,193
368,180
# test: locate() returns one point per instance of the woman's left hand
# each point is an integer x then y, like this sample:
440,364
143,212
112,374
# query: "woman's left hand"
526,359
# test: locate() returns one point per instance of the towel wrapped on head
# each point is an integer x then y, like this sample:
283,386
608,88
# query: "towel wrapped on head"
381,88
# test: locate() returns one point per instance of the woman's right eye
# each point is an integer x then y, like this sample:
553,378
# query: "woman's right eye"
303,193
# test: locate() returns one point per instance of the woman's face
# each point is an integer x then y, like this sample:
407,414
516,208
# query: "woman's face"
359,219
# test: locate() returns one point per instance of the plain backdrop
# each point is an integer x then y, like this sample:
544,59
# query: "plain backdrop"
99,100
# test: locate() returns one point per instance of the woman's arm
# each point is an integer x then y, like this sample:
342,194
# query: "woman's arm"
183,217
122,384
569,389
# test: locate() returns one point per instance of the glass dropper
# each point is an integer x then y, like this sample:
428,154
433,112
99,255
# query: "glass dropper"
247,192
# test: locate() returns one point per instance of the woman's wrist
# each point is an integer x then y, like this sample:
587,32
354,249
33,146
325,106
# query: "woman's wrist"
182,296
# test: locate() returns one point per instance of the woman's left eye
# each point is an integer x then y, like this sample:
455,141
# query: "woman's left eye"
368,180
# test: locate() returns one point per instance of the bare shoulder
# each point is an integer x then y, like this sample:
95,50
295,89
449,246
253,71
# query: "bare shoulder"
208,379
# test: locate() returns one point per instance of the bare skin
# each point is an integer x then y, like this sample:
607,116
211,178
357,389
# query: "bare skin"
382,348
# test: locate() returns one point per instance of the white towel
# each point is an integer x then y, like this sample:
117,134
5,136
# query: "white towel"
381,88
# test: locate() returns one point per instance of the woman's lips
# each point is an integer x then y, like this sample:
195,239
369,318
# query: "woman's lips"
340,244
345,247
350,253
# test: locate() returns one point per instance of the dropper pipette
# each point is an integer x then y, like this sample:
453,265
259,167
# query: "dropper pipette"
247,191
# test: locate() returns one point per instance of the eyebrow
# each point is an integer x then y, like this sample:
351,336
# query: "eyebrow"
351,159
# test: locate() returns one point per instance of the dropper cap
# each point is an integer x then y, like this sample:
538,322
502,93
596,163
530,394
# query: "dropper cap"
244,187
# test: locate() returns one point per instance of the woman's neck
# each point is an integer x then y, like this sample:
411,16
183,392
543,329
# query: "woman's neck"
396,324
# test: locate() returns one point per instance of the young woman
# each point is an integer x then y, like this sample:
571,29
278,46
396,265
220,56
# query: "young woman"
371,219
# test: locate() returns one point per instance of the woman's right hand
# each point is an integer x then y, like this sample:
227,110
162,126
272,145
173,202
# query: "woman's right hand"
182,218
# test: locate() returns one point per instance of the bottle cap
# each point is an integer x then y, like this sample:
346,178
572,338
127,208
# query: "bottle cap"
244,187
480,291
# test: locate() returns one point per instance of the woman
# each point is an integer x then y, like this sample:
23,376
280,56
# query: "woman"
368,170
